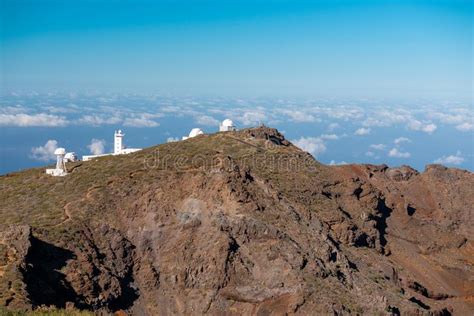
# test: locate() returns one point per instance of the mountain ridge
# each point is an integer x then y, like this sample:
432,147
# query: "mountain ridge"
238,222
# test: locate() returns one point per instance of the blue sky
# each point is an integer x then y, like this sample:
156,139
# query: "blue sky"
253,48
348,81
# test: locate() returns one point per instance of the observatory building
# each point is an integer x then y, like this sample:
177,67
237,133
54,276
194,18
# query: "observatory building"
70,157
194,132
119,148
227,126
60,169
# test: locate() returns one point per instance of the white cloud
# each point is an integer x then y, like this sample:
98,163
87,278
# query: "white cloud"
394,152
343,112
17,109
430,128
97,146
416,125
96,120
313,145
378,146
298,116
401,140
206,120
60,109
334,163
253,117
139,122
465,127
172,139
369,154
27,120
456,159
115,118
449,118
389,117
172,109
332,126
329,137
362,131
46,152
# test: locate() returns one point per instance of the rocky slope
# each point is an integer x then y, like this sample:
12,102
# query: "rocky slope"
238,223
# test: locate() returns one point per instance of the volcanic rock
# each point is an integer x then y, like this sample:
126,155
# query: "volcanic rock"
237,223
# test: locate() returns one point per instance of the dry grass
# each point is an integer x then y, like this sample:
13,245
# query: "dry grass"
34,198
88,194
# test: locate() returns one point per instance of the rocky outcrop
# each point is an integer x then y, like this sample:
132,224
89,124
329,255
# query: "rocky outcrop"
239,223
94,275
15,242
266,133
403,173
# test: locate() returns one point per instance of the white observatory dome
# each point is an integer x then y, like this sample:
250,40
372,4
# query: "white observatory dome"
195,132
227,123
60,151
70,157
227,126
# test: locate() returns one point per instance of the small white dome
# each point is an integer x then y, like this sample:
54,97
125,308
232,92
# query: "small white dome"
227,123
195,132
71,156
60,151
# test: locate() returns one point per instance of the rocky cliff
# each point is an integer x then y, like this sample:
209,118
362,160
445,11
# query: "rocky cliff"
238,223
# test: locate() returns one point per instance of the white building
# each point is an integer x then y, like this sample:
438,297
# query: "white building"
227,126
194,132
90,157
119,148
70,157
118,142
60,169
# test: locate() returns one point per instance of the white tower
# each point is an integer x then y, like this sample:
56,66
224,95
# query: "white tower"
118,144
60,153
60,169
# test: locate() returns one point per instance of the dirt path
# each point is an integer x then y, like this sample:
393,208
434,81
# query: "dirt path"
259,149
67,211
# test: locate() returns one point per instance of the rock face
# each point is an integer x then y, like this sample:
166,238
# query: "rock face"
238,223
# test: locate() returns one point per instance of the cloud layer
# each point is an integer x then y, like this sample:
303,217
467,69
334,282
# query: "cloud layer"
366,129
46,152
314,145
26,120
